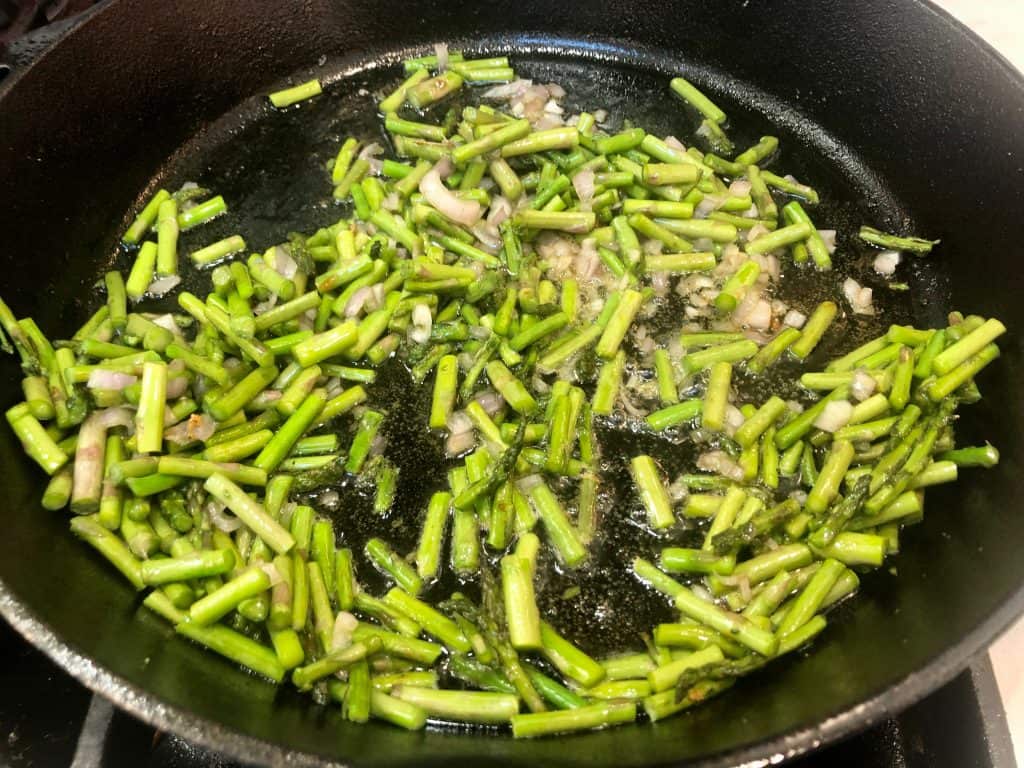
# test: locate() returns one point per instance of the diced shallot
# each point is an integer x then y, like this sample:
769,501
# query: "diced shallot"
721,463
220,518
422,322
583,183
886,263
863,386
835,416
794,319
829,236
465,212
344,625
163,285
111,380
858,296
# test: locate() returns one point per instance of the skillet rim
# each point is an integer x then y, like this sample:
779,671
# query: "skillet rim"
213,735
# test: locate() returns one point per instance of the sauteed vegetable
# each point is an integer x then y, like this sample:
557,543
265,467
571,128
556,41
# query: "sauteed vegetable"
547,281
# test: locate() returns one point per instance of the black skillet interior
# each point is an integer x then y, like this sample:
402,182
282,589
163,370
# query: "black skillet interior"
868,103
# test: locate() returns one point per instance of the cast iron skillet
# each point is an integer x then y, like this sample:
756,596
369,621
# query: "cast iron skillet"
906,108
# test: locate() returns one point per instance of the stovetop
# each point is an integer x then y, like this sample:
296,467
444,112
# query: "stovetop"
49,719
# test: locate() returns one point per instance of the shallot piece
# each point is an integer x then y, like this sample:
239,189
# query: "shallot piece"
284,264
111,380
465,212
271,570
344,625
220,519
863,386
858,296
422,322
835,416
794,319
886,262
161,286
583,183
721,463
829,237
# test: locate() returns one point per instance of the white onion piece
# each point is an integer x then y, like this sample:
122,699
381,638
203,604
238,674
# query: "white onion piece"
114,417
547,120
760,317
490,401
271,395
201,426
220,519
529,482
741,582
271,570
441,51
265,306
600,115
178,434
355,303
370,150
858,296
702,592
287,510
588,262
552,107
739,188
344,625
488,238
329,500
459,422
886,262
794,319
835,416
465,212
720,463
583,183
733,418
508,90
112,380
176,387
675,143
421,315
756,231
284,264
163,285
166,321
659,282
863,386
829,236
707,205
422,322
458,443
499,211
678,491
